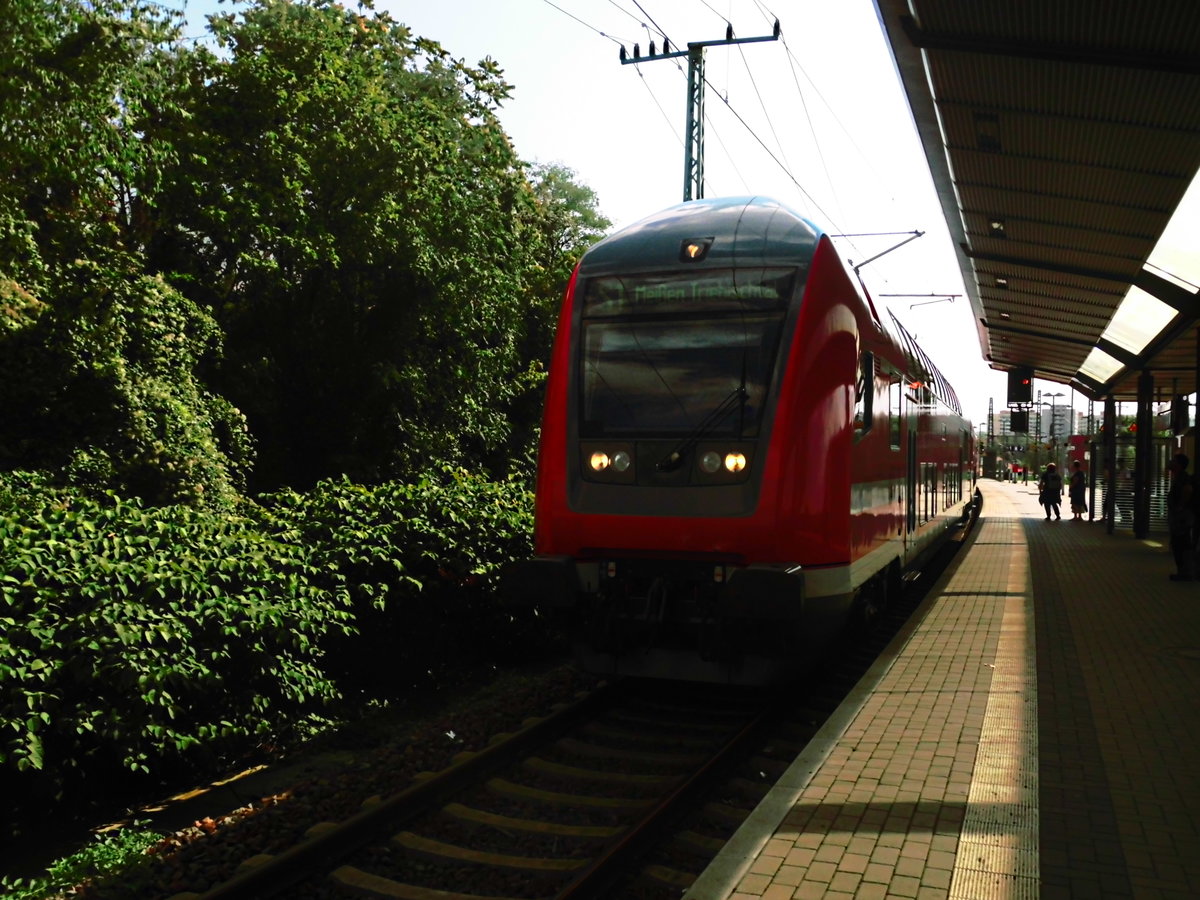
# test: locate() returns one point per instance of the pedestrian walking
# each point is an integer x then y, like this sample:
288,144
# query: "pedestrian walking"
1050,489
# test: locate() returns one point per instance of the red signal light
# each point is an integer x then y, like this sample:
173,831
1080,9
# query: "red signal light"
1020,385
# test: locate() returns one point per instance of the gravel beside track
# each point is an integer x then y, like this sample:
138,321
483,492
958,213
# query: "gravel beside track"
332,786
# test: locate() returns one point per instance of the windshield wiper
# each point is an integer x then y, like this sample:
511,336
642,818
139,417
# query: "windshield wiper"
735,400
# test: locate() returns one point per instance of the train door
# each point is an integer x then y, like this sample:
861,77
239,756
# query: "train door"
902,424
912,487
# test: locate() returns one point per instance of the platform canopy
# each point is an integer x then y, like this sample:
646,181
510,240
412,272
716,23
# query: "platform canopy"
1064,142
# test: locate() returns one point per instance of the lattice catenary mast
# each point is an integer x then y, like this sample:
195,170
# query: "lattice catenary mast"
693,164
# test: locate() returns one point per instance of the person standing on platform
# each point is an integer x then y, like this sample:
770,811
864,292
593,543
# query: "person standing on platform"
1180,518
1122,489
1050,488
1076,489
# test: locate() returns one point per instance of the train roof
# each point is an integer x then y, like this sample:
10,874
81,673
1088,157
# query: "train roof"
921,366
740,231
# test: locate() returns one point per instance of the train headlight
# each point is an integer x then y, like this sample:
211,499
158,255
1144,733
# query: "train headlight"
722,462
608,462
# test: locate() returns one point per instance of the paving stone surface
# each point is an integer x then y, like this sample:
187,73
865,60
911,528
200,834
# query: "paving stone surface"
1038,735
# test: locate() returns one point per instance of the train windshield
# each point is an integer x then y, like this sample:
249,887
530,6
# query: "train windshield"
661,353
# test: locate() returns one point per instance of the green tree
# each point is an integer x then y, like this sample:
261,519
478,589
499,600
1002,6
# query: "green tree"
568,221
349,207
332,201
101,368
102,386
78,82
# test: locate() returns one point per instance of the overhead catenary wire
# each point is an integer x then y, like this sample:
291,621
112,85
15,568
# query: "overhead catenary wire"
724,99
796,64
763,105
783,164
666,118
652,22
753,81
710,129
621,44
827,203
812,128
602,34
729,26
719,15
729,156
654,98
778,157
620,8
775,159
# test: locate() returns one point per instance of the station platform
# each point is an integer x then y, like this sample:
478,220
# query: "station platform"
1034,733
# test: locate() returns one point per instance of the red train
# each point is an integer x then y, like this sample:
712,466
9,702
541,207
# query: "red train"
737,456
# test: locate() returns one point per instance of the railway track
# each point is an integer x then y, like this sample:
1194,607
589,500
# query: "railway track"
677,860
629,792
567,821
557,809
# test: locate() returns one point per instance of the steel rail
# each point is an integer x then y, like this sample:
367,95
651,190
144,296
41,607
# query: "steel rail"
324,848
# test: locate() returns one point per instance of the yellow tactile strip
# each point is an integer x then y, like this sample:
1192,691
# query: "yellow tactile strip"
998,846
884,803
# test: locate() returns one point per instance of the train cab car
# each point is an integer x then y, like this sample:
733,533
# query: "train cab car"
737,456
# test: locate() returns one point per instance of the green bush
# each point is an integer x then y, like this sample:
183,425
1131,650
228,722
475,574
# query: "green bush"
451,525
122,851
139,638
104,382
421,560
130,636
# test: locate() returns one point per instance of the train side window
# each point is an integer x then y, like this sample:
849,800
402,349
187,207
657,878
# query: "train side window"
864,394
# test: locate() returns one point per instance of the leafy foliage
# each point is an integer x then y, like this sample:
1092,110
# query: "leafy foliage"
133,636
77,82
326,226
357,219
421,558
117,402
337,194
100,364
451,525
122,851
567,223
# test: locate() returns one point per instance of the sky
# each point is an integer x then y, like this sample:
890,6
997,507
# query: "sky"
816,120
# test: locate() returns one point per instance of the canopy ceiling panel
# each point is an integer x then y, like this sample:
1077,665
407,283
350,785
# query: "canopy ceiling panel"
1061,137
